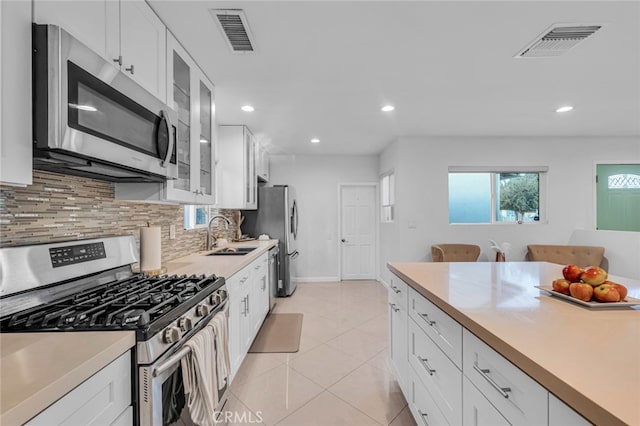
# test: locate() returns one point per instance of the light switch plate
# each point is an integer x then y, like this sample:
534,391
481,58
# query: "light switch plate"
172,232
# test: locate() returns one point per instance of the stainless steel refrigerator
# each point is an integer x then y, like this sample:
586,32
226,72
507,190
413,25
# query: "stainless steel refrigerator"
277,216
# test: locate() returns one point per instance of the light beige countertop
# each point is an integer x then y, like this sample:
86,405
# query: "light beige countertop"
222,266
588,358
37,369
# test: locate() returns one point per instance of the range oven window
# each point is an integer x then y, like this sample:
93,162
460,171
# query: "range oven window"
98,109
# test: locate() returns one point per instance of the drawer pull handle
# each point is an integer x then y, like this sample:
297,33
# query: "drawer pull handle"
393,306
244,280
426,365
425,317
395,289
424,417
484,372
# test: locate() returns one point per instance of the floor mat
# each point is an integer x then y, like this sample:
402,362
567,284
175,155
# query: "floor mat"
279,333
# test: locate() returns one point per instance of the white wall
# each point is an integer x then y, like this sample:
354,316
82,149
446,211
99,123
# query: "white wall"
421,167
316,180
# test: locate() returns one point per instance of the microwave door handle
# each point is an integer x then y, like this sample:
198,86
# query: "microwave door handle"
172,140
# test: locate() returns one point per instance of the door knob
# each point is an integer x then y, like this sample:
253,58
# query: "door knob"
343,240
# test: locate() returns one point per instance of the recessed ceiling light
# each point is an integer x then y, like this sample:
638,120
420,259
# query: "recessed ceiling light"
315,140
387,108
248,108
564,108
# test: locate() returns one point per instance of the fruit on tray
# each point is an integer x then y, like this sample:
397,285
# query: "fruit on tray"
581,291
561,285
594,275
606,293
572,273
589,284
622,290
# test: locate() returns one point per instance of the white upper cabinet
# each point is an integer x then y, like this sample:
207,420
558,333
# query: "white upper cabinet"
262,160
143,46
191,94
238,183
15,93
127,33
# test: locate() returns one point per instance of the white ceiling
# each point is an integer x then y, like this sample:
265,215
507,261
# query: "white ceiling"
324,68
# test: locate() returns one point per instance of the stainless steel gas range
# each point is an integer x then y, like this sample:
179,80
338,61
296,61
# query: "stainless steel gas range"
89,285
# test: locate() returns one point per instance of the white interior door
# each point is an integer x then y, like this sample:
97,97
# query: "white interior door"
358,231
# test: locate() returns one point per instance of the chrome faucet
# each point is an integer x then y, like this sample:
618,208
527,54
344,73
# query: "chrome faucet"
211,239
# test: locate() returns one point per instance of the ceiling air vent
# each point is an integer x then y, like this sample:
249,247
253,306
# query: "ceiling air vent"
557,39
234,25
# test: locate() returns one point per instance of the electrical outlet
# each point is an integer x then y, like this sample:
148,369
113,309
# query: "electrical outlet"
172,232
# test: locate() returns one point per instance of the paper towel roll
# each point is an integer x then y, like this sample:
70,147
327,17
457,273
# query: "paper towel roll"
150,248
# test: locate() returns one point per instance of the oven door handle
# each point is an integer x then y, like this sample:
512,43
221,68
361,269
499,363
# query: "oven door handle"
176,357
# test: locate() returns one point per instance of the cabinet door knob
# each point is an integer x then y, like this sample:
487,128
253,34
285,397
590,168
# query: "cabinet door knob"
130,69
118,60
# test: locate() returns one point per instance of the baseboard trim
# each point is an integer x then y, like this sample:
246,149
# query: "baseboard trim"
316,279
383,282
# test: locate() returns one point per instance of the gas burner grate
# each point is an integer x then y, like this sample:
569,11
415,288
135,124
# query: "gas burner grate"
138,302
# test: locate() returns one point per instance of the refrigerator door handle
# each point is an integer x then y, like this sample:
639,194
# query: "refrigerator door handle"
295,254
294,220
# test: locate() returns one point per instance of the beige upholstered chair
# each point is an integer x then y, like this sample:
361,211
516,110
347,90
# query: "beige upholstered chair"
455,252
578,255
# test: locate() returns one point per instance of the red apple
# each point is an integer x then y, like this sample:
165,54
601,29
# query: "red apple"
606,293
622,290
561,285
581,291
572,273
594,275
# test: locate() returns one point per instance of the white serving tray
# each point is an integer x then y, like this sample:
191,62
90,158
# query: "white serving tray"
629,301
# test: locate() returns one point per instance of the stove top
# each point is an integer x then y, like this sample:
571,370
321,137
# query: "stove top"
142,303
89,285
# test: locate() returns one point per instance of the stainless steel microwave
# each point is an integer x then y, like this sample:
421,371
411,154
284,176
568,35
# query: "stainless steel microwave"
90,119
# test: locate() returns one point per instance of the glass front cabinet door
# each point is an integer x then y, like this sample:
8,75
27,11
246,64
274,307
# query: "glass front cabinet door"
192,95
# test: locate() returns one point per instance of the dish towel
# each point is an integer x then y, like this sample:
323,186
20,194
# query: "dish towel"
220,327
199,377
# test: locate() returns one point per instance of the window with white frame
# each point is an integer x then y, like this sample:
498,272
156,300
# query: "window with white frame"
496,194
387,197
195,216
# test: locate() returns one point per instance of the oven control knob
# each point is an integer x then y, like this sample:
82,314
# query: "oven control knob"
215,299
223,294
171,335
202,310
185,323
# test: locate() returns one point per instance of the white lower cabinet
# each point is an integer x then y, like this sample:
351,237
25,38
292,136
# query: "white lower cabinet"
452,377
247,308
440,376
398,334
519,398
102,399
560,414
477,411
424,409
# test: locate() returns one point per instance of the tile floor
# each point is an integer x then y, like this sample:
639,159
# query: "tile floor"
340,375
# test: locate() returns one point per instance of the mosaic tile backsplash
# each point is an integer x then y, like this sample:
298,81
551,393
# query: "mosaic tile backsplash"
62,207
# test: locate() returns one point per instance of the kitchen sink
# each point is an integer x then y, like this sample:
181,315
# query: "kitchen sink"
232,251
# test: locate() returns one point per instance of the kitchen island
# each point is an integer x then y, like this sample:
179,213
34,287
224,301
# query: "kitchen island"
588,358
